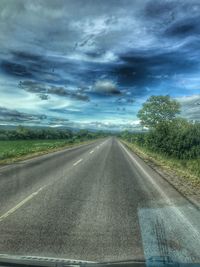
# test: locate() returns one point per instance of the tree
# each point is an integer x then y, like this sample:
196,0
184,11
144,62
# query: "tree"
158,109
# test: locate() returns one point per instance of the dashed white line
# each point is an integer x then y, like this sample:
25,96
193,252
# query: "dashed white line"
77,162
5,215
91,151
98,147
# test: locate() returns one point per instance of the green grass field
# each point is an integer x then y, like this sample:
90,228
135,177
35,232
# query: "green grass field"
11,151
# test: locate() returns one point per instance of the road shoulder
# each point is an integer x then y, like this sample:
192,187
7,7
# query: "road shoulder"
186,187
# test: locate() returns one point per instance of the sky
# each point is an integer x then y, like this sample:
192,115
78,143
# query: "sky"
93,63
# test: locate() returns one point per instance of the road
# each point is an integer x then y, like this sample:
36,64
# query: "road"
94,202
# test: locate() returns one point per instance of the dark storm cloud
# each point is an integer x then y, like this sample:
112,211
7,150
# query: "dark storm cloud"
26,56
9,115
144,69
15,69
21,67
184,28
44,90
156,8
131,74
55,70
32,86
29,65
169,11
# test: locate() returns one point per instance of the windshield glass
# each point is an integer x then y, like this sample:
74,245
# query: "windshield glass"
100,129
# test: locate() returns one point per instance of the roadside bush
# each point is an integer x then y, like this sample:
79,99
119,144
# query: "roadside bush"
179,139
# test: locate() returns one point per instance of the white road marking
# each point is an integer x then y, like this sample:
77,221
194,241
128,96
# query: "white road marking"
20,204
77,162
98,147
91,151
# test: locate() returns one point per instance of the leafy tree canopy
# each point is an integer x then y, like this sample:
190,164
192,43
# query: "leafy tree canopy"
158,109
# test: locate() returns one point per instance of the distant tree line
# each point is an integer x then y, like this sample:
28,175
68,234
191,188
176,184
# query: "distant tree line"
167,134
25,133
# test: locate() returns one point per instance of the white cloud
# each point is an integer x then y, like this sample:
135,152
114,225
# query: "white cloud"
106,87
107,57
190,106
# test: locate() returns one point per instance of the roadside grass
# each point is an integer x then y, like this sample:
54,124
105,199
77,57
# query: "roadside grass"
12,151
187,169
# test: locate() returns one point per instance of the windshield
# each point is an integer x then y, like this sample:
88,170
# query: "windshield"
100,129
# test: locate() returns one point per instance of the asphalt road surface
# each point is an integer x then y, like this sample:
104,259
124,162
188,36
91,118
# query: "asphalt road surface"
94,202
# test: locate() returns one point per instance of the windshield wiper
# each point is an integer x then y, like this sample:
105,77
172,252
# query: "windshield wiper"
25,261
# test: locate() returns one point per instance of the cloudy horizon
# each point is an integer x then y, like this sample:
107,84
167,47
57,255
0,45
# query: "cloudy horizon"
91,64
